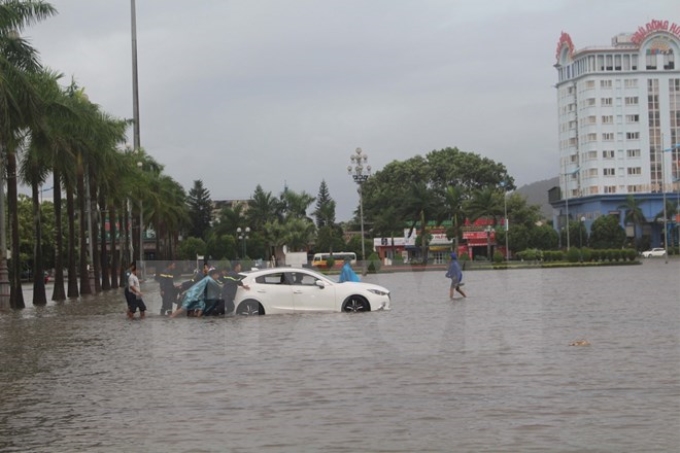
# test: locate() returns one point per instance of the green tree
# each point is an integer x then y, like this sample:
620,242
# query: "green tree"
607,233
263,208
485,202
633,214
421,205
543,237
295,204
325,207
200,210
190,247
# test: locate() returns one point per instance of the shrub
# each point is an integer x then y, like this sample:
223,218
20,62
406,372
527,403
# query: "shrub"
374,263
587,254
595,255
330,262
498,257
573,255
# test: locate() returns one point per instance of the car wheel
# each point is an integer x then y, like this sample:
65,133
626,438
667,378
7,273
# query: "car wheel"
354,304
250,307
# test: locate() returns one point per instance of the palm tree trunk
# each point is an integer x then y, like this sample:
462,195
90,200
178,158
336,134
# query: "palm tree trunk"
104,256
39,296
84,278
16,296
92,208
115,263
58,291
72,268
423,237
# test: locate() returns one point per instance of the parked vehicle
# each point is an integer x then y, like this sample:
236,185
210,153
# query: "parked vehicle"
295,290
654,252
320,259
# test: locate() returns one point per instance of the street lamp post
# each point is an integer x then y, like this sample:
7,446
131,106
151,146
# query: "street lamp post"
360,174
566,198
243,237
663,194
135,117
580,237
488,230
140,268
507,224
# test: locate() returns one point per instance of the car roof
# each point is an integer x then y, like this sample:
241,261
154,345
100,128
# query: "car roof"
274,270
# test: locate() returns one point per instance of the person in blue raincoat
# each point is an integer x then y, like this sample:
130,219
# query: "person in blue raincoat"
456,275
347,274
204,293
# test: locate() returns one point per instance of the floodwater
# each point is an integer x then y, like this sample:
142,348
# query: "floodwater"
493,372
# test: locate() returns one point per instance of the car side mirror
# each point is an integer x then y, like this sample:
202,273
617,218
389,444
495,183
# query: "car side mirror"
320,284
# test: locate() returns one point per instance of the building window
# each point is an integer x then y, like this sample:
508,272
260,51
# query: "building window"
592,137
632,119
608,136
608,154
633,153
591,155
606,101
607,119
634,188
631,100
590,102
590,84
606,84
634,171
592,119
630,83
609,189
591,173
609,171
632,135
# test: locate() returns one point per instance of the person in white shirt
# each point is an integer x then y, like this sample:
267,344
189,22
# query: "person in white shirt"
135,301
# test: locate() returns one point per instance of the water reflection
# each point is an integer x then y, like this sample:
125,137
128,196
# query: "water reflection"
492,372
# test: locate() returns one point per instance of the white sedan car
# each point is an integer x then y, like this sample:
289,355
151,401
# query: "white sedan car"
292,290
654,252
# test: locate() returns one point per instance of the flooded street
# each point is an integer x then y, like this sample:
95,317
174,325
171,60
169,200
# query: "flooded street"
493,372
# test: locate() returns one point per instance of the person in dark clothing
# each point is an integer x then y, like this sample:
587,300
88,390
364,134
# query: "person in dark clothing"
231,281
168,288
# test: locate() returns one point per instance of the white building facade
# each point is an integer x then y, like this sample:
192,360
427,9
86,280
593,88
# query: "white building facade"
619,122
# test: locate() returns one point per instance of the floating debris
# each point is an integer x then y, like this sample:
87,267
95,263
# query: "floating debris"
580,343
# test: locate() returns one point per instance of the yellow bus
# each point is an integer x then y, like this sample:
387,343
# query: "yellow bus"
320,259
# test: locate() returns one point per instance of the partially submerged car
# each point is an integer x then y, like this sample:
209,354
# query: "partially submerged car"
294,290
654,252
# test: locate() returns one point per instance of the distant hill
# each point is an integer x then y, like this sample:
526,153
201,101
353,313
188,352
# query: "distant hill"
537,193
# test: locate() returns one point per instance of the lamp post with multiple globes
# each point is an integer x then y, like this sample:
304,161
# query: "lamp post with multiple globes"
243,237
360,174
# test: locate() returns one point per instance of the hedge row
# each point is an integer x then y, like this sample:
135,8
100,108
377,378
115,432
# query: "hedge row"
575,255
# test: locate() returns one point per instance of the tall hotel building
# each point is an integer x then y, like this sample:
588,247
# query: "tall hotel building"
619,122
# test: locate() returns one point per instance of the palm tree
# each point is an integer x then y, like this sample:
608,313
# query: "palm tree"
19,108
453,208
486,202
420,204
633,214
295,204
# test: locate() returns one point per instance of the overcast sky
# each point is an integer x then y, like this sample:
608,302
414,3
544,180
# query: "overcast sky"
276,92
